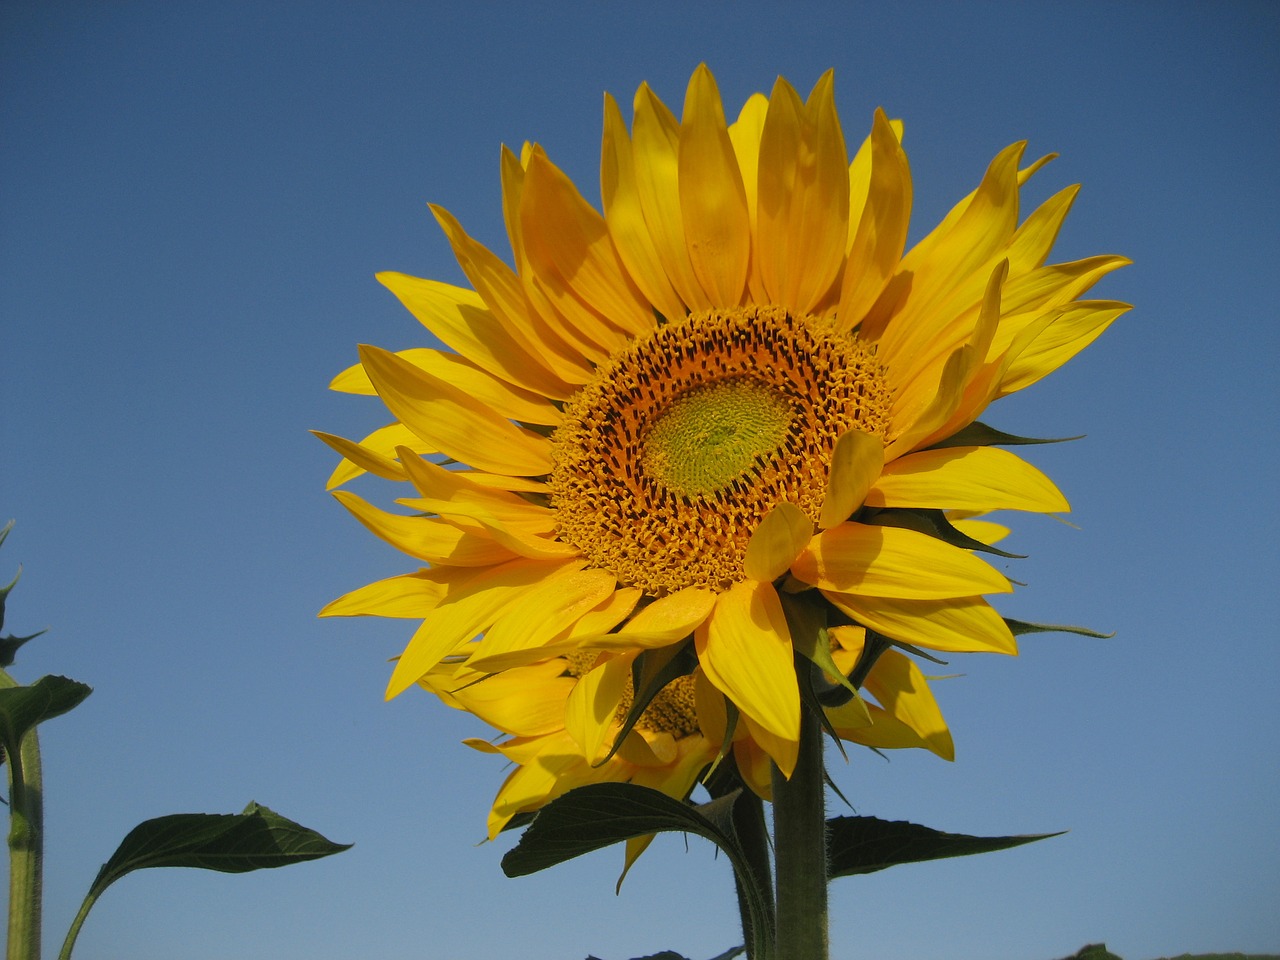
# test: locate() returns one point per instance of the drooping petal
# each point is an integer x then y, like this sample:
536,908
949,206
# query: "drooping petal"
359,459
856,462
775,544
379,447
897,683
745,650
955,625
893,562
539,616
591,710
663,622
966,478
469,610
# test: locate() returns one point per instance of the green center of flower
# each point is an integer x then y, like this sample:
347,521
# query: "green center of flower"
714,435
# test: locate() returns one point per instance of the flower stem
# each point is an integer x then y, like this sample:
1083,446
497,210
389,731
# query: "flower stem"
26,846
800,849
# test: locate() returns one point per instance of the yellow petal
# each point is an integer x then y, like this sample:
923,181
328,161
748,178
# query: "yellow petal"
966,478
881,230
524,701
1066,336
625,217
570,354
856,461
568,246
713,201
783,750
453,422
591,710
410,595
897,683
427,538
745,134
539,616
893,562
380,447
663,622
745,650
471,607
655,136
776,542
461,320
803,206
957,625
359,459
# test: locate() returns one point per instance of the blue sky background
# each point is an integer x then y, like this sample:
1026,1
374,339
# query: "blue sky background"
194,198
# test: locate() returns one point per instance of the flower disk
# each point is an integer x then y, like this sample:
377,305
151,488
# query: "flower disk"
668,460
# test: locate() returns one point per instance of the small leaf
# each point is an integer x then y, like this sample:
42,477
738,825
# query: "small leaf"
978,434
867,844
1022,627
935,524
649,680
256,839
22,708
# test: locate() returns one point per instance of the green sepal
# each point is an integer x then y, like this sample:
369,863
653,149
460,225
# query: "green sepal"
9,647
858,845
652,671
598,815
807,623
22,708
1022,627
933,523
978,434
257,839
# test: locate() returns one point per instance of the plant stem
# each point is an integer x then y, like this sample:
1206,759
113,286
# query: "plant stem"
26,846
800,849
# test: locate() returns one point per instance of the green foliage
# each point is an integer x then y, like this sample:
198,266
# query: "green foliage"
978,434
858,845
21,708
257,839
1022,627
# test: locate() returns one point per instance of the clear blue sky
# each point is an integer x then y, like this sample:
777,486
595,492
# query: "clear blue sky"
194,200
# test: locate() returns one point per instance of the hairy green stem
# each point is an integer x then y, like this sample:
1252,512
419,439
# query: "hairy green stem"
26,845
800,851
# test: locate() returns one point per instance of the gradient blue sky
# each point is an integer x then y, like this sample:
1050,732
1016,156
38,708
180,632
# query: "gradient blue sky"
195,198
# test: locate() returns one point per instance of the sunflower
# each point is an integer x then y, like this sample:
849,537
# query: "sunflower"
731,422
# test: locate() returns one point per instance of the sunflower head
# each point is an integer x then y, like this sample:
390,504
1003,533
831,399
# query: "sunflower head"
722,426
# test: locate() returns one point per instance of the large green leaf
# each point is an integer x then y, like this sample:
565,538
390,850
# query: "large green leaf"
22,708
256,839
867,844
597,815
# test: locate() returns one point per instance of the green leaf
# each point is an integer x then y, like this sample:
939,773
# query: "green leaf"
672,955
934,523
1022,627
597,815
867,844
978,434
256,839
21,708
